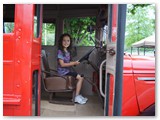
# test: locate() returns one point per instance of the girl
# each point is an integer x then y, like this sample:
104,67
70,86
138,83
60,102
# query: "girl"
64,64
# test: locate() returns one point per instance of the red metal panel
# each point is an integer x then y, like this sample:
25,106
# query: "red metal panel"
10,99
143,64
129,98
114,23
18,98
110,64
8,63
144,67
145,91
24,30
127,65
137,94
111,95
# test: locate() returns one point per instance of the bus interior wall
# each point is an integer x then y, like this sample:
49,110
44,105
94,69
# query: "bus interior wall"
52,13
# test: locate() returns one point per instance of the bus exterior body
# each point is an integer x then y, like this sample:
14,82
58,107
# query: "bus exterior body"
21,67
21,63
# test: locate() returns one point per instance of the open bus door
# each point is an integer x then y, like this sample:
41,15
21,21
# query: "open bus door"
114,60
21,60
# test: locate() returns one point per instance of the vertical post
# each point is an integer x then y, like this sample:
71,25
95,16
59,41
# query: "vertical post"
45,34
144,51
117,106
35,79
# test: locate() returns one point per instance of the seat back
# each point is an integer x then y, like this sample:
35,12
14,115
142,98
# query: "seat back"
45,64
51,80
53,83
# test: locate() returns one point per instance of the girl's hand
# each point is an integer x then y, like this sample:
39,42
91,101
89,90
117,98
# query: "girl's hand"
76,63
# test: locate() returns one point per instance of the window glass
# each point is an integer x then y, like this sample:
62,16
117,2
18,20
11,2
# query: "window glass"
37,21
8,27
105,34
78,29
48,34
8,18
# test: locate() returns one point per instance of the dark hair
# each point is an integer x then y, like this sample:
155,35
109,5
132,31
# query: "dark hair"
60,46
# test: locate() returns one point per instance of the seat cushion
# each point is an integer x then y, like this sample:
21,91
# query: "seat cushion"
59,83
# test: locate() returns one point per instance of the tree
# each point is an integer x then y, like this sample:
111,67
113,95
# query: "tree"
140,22
48,34
77,27
9,26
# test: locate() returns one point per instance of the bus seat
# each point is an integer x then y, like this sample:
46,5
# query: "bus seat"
54,83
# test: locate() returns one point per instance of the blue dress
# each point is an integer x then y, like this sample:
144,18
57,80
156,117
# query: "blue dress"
66,58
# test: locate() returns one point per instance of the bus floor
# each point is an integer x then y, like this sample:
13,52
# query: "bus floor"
92,108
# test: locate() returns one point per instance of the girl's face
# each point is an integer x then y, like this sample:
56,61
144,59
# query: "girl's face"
66,41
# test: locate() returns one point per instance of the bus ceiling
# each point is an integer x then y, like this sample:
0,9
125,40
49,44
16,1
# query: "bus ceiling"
53,11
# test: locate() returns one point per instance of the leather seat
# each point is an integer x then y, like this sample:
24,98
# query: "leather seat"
54,83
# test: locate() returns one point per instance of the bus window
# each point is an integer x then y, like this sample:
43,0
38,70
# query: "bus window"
104,34
77,27
48,34
8,18
37,21
8,27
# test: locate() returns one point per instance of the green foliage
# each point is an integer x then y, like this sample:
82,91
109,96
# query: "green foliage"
9,26
135,6
48,34
141,24
77,28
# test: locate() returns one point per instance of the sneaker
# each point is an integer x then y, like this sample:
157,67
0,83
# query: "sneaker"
79,100
84,98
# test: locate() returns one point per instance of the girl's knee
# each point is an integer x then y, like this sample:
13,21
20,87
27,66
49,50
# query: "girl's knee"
82,78
79,77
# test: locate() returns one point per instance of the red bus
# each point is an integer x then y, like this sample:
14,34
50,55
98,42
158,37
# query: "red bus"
128,88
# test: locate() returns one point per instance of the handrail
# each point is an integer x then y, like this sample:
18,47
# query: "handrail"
100,78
